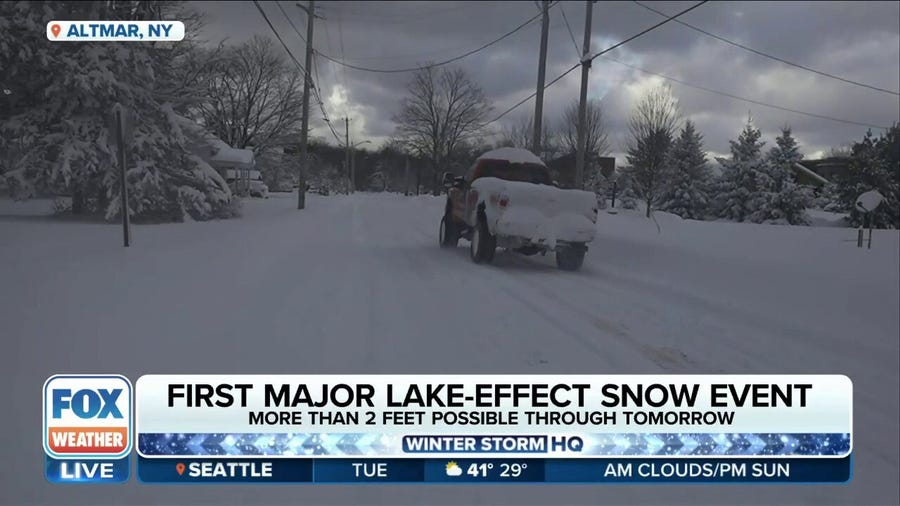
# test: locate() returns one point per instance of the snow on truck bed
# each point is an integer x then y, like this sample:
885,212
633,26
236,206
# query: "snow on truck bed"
358,284
542,213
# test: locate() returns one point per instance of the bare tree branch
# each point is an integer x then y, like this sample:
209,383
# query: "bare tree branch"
652,128
443,109
597,138
253,96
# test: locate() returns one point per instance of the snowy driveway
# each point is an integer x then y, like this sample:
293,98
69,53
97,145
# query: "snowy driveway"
358,285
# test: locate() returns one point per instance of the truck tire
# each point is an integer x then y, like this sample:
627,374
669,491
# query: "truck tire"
570,259
483,243
448,235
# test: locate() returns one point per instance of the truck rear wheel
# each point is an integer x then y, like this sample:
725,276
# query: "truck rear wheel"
483,243
570,258
449,236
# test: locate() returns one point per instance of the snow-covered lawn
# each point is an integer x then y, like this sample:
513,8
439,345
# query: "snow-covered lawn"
358,284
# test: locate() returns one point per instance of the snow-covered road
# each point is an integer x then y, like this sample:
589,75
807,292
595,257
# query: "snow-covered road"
357,284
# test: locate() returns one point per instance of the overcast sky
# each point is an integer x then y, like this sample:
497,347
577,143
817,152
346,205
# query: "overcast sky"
856,40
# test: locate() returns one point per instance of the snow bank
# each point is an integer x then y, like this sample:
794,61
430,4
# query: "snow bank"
819,218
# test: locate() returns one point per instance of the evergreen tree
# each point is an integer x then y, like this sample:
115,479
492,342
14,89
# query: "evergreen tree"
740,191
784,200
874,165
687,195
627,197
596,182
64,118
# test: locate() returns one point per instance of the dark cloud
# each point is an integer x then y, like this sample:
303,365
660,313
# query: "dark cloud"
858,40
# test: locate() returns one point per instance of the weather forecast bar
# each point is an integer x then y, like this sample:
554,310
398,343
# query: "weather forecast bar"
444,471
439,429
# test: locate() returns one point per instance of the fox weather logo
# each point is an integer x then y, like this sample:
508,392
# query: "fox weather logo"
87,416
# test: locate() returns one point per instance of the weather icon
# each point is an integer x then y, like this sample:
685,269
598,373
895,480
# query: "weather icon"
453,469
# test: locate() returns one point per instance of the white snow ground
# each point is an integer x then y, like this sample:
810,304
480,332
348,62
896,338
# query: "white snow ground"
358,285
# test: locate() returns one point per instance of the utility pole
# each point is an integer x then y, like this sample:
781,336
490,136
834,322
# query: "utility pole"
582,104
347,154
542,67
304,126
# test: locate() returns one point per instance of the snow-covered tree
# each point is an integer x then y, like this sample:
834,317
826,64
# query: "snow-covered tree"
596,182
740,191
64,119
785,200
625,194
688,191
874,165
829,198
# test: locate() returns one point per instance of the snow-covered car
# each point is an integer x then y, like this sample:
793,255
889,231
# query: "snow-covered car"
508,200
258,189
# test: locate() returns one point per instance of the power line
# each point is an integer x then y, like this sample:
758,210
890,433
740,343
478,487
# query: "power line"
654,27
313,86
278,36
743,99
409,56
288,18
334,76
445,62
341,41
321,103
573,67
562,9
766,55
395,20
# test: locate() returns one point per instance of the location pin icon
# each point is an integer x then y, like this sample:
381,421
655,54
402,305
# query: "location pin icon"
180,468
54,28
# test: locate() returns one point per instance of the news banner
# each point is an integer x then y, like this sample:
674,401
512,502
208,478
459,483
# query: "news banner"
193,429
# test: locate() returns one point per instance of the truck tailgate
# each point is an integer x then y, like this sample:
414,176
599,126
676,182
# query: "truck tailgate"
541,213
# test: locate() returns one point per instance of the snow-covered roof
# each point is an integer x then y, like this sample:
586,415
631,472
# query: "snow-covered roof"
797,167
222,153
225,154
810,173
513,155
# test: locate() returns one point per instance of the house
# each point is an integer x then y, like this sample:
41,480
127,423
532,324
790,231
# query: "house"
830,168
236,166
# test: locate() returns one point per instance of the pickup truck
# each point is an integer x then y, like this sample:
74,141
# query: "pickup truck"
507,199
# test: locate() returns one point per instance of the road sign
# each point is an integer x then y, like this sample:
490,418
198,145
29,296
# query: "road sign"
127,122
